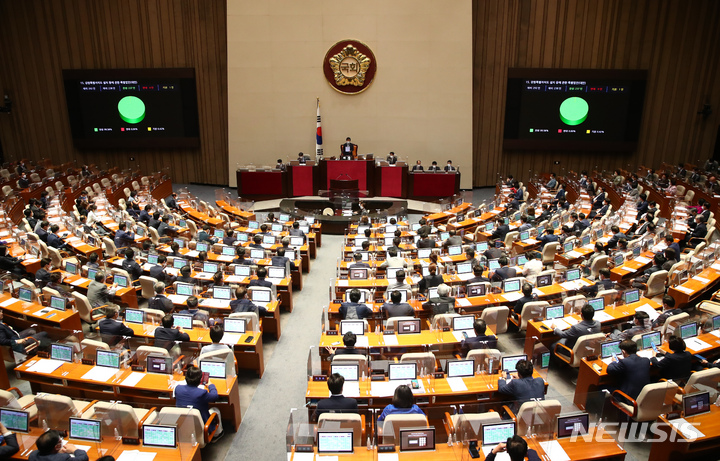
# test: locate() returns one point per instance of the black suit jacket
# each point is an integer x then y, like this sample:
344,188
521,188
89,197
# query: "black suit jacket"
500,232
10,448
7,335
504,272
335,404
426,243
677,365
79,455
54,241
157,272
114,328
634,372
260,283
170,334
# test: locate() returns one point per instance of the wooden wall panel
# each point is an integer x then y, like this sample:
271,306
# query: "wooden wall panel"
677,41
39,38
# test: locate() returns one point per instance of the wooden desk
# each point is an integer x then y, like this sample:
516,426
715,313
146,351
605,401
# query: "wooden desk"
198,216
68,320
249,355
126,296
678,446
695,287
110,447
632,268
152,390
234,211
443,216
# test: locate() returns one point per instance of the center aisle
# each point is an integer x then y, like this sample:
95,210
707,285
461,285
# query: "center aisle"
283,386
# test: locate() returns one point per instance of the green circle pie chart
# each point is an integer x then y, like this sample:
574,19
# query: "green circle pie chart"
131,109
574,111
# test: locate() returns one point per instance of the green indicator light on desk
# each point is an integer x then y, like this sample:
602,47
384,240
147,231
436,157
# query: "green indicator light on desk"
131,109
574,111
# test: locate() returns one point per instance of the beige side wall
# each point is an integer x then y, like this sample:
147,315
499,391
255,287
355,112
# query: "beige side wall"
419,105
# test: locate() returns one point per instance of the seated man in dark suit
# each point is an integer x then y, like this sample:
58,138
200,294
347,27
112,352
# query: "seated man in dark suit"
443,303
418,166
503,272
501,231
391,158
337,403
18,341
12,265
641,322
111,328
528,297
55,241
260,281
198,396
131,266
617,235
167,334
587,326
348,149
449,167
395,308
192,309
354,309
700,232
478,277
603,283
426,242
358,263
158,271
632,371
668,310
11,445
165,230
349,341
547,237
678,364
642,206
432,280
658,261
525,387
160,301
243,304
123,238
481,340
51,448
280,259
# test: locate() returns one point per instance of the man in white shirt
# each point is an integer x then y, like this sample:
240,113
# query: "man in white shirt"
216,334
393,260
532,267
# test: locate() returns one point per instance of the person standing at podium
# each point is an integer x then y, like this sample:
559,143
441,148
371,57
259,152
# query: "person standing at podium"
392,158
348,150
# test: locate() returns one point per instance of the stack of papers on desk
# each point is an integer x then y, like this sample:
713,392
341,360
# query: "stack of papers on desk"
628,269
560,323
531,241
465,277
642,260
216,303
652,313
388,457
502,456
45,366
101,374
385,388
554,451
177,299
80,281
463,302
9,302
133,379
685,290
362,341
574,285
702,280
457,384
274,281
192,254
512,296
235,279
350,389
341,283
686,429
390,340
602,316
224,258
446,259
231,338
137,455
573,254
696,344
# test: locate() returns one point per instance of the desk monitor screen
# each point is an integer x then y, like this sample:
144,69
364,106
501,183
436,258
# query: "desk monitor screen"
181,223
25,294
572,275
493,434
403,371
716,322
585,240
575,424
539,230
493,264
241,236
598,234
235,325
460,368
184,289
463,322
15,420
93,272
389,241
360,273
213,368
179,263
140,232
545,360
227,251
637,249
555,224
202,246
253,225
356,326
58,302
648,339
268,239
631,296
335,441
403,295
689,330
257,253
242,270
134,316
121,280
210,267
261,296
432,292
151,259
290,254
349,371
424,253
476,289
90,240
284,217
391,272
107,359
183,321
180,242
359,241
618,259
415,226
506,220
61,352
511,285
420,439
568,247
597,304
71,267
610,348
409,326
481,247
696,404
454,250
464,268
276,227
219,233
159,364
509,362
554,312
524,235
521,260
222,293
159,436
544,280
276,272
489,227
391,228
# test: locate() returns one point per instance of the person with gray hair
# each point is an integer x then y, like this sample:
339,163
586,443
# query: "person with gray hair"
98,293
160,301
111,328
443,303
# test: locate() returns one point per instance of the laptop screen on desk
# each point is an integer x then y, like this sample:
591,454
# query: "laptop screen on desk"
159,436
71,267
420,439
183,321
242,270
610,348
648,339
509,362
402,371
241,236
568,247
597,304
335,441
253,225
268,240
544,280
481,247
585,240
159,364
631,296
576,424
213,368
107,359
151,259
360,273
58,303
261,296
511,285
179,263
408,326
184,289
219,233
464,268
689,330
493,264
424,253
228,251
277,227
454,250
257,253
15,420
696,404
276,272
121,280
134,316
524,235
618,259
476,290
210,267
61,352
493,434
356,326
235,325
25,294
554,312
200,246
463,322
572,274
460,368
222,293
489,227
180,242
716,322
349,371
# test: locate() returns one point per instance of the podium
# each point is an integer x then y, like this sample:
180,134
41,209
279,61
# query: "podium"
303,179
360,170
392,180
